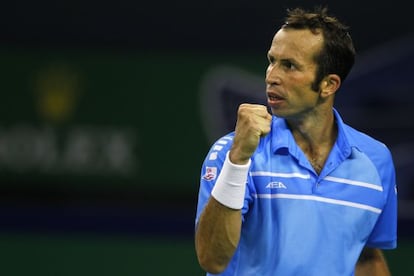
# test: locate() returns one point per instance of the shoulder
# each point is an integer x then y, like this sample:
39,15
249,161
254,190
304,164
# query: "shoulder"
219,148
360,140
363,140
375,149
223,142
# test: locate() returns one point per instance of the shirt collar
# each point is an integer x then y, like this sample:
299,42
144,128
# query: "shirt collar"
283,141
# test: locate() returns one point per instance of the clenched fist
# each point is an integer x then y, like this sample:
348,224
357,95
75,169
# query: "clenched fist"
253,122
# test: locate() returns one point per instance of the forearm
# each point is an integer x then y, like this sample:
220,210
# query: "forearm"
372,263
219,226
217,236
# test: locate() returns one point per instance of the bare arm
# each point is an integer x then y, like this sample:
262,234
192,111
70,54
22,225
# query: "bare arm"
218,231
372,263
217,236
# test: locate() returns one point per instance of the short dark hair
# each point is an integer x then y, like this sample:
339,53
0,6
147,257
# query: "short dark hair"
337,55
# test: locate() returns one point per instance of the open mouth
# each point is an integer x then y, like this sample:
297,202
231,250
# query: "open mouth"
274,99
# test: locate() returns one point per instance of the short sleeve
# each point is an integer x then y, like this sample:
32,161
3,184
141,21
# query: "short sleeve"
384,234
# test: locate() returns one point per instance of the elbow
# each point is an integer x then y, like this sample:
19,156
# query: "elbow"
212,260
210,264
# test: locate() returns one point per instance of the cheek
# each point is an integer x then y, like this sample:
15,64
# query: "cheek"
303,91
304,84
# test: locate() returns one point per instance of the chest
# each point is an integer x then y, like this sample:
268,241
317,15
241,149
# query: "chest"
350,182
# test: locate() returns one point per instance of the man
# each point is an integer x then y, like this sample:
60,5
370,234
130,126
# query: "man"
298,192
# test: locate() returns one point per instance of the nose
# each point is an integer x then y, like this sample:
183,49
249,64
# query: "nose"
272,75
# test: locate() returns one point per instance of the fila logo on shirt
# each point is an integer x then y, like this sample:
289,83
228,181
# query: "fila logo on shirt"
276,185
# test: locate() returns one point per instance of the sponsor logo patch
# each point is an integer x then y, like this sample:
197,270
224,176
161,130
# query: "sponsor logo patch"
211,173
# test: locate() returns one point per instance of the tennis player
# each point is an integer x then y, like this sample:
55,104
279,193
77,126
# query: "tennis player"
298,192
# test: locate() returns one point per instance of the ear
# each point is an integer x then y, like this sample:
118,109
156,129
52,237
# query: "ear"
329,85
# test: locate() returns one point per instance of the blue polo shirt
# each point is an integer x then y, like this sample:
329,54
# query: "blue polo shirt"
296,222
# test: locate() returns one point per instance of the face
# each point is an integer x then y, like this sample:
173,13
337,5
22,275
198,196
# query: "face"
291,72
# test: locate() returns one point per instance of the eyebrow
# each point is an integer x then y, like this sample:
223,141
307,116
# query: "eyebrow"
291,60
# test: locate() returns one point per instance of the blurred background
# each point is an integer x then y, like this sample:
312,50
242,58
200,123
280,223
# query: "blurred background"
109,107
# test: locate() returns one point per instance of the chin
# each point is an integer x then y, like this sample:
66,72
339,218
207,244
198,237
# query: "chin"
277,112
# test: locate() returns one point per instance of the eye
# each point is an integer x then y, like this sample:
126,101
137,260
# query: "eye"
288,65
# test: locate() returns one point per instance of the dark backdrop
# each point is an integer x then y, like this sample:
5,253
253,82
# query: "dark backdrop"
141,65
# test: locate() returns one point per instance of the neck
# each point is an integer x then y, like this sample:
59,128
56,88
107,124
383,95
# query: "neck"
315,136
